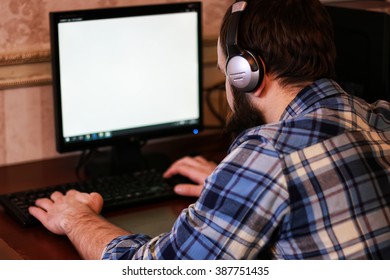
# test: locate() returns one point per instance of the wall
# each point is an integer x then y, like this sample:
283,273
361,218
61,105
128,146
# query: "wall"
26,113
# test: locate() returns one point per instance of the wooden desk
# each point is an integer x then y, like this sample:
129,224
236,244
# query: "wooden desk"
37,243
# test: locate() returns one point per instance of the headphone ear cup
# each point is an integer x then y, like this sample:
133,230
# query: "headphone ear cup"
245,71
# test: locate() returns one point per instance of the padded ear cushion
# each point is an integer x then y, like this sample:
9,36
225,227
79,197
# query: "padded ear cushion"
245,71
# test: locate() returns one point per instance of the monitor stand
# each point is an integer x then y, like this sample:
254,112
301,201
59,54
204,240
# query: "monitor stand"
124,157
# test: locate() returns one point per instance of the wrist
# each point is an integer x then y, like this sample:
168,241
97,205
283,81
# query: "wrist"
90,234
80,221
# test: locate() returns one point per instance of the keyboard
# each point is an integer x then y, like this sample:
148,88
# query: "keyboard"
118,191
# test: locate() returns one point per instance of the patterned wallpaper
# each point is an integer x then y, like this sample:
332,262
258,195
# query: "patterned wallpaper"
24,24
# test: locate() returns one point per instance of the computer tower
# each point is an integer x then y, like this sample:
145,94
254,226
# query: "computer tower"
362,37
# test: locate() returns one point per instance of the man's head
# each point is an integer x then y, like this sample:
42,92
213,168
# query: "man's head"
293,38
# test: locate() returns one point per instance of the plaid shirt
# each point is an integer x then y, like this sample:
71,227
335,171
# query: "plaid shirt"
315,185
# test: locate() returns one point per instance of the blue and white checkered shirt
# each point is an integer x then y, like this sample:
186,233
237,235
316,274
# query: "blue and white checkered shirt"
315,185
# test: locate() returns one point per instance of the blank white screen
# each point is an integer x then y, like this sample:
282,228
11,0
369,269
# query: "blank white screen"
128,72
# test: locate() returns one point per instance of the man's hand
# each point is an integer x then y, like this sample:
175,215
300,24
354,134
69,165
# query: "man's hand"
59,211
76,215
196,169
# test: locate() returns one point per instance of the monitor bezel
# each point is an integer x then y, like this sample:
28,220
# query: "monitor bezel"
132,135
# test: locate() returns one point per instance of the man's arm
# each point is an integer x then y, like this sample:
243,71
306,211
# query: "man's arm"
242,203
91,235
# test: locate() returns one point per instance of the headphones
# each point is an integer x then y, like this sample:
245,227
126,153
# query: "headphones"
244,70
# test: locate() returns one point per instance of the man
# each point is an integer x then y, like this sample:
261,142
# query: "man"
307,177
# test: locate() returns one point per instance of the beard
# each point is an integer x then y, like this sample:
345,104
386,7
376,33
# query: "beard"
244,115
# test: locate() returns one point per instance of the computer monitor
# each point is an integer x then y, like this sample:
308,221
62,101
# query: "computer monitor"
362,37
124,75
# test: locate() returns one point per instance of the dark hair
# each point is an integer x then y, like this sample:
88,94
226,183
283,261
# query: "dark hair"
293,37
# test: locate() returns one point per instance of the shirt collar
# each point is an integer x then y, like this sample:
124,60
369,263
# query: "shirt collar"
306,99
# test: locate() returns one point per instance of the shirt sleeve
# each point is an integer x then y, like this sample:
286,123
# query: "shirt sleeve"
242,204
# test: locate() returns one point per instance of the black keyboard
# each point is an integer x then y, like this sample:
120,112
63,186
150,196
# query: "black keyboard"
117,192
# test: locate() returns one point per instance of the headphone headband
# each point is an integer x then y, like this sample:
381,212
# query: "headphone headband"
232,40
